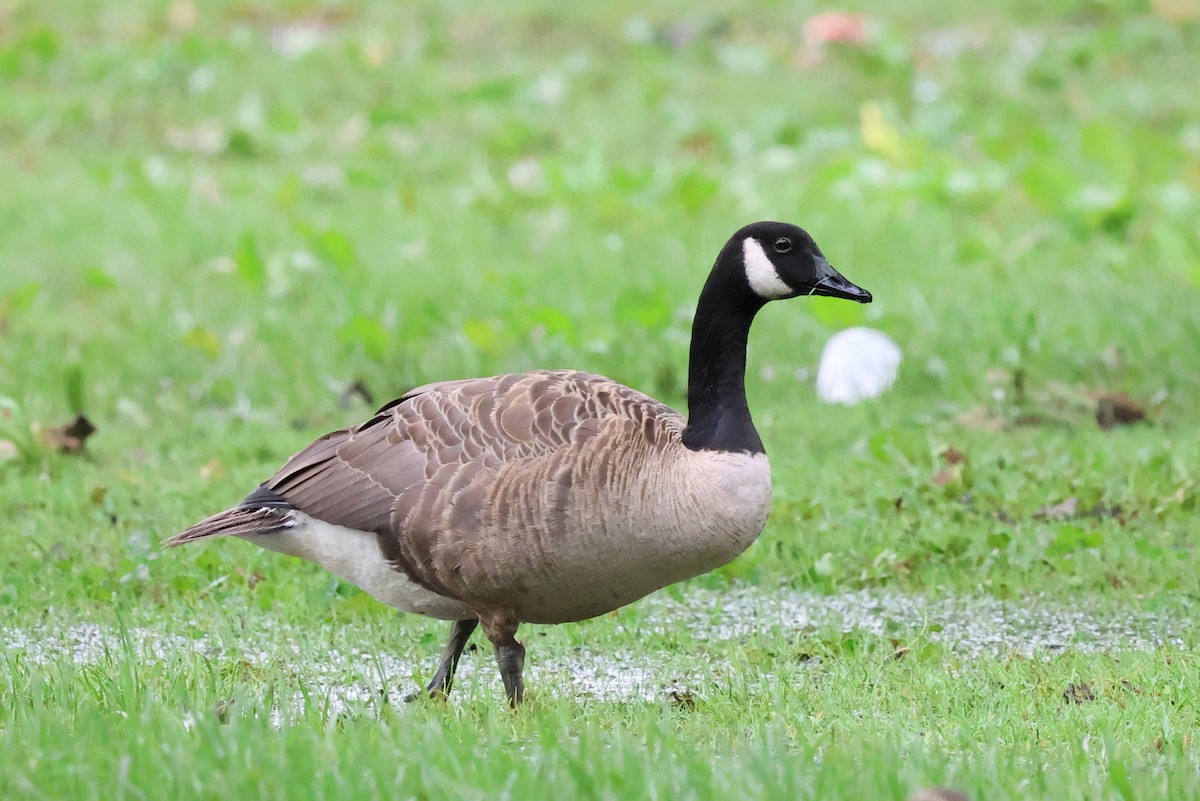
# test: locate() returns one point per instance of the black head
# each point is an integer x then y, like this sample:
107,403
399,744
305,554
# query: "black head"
779,260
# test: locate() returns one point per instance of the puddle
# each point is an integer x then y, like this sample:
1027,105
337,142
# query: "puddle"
338,680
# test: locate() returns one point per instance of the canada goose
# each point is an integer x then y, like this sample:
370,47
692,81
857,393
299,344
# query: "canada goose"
550,496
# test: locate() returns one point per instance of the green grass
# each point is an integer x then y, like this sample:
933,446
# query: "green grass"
205,238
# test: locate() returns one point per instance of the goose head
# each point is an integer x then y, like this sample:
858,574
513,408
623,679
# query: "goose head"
764,261
780,260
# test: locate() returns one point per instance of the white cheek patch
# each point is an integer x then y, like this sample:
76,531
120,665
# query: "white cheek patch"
761,273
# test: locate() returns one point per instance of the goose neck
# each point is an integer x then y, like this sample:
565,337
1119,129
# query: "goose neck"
718,415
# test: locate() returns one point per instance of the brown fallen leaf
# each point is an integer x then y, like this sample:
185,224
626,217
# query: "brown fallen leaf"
1068,507
1078,693
1176,11
1117,409
699,143
980,418
212,469
71,437
181,15
222,709
251,578
938,794
359,390
953,461
680,697
953,455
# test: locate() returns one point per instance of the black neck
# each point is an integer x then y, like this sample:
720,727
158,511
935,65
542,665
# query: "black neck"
718,417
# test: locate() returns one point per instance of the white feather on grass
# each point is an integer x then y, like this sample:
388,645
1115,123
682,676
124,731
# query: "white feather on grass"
857,364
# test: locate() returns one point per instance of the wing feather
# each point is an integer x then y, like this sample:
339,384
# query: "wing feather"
422,473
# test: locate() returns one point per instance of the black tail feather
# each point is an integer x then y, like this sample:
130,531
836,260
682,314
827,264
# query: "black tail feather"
263,497
235,523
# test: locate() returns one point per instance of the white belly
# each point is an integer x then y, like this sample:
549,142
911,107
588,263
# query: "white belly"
354,556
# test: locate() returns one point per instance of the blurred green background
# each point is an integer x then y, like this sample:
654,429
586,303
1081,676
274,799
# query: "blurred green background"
218,217
243,203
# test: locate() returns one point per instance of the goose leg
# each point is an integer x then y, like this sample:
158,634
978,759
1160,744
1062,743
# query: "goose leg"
501,629
439,685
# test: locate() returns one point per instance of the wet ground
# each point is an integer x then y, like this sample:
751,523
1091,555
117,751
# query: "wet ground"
345,678
968,626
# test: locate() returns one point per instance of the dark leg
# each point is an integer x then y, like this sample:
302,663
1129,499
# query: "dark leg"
501,629
460,632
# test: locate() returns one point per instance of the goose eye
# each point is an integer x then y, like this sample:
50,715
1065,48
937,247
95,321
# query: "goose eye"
783,244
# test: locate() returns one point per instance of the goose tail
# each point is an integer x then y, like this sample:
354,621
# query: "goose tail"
235,522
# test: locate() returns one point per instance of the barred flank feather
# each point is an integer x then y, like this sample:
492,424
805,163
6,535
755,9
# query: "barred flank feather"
234,523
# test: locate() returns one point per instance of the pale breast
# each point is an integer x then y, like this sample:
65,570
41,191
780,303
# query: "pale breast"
725,498
741,482
661,518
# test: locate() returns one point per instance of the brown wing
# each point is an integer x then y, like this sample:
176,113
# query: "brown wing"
420,471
